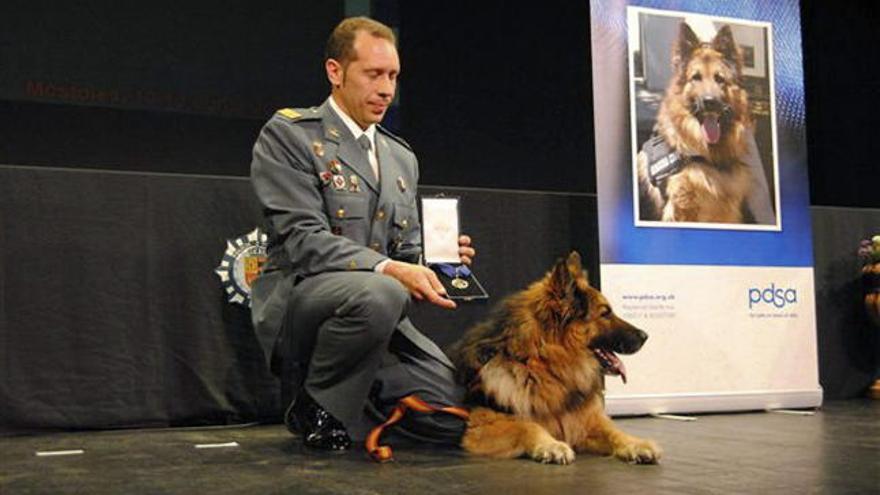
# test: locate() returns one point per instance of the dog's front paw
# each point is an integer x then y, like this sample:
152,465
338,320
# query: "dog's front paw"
639,452
553,452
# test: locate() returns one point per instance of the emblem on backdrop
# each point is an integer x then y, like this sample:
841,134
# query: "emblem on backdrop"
241,264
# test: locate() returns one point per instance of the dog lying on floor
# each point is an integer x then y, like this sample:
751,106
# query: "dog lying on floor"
534,369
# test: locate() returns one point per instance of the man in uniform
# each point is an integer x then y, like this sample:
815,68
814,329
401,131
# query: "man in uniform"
330,308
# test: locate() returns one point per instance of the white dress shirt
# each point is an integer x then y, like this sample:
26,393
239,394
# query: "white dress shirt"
357,132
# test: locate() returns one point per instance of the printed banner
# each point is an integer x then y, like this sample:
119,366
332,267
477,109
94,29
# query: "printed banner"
703,202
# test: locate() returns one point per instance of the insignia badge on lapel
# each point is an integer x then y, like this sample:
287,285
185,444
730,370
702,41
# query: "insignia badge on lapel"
339,182
326,176
319,148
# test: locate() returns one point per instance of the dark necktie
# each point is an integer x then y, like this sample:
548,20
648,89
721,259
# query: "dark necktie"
364,141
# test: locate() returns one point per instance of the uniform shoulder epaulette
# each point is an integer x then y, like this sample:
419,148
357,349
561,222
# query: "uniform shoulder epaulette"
296,114
394,137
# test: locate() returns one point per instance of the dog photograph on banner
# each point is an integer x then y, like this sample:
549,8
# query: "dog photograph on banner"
702,121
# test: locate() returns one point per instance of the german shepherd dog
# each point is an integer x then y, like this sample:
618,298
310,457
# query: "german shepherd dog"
533,373
702,126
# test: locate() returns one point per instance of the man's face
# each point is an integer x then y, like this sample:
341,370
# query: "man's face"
365,87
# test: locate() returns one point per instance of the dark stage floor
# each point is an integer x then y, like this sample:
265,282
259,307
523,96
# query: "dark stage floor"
837,450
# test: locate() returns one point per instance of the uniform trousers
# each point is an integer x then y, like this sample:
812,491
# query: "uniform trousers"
345,342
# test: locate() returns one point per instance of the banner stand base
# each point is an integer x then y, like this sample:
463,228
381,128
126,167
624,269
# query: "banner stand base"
653,404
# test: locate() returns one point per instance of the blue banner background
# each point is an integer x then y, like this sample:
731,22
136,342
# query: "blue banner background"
620,240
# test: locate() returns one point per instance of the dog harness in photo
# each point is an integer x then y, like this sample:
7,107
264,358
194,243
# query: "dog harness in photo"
663,161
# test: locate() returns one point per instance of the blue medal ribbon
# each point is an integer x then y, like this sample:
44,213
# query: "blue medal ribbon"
452,271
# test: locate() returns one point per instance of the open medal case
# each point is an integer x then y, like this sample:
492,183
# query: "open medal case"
440,232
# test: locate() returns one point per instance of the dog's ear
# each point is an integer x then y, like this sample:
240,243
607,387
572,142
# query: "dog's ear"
563,284
724,44
579,299
574,265
685,45
561,281
564,274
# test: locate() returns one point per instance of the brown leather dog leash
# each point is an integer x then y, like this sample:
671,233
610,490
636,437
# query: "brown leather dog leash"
382,453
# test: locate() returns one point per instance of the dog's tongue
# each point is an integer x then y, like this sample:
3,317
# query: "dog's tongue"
611,364
711,128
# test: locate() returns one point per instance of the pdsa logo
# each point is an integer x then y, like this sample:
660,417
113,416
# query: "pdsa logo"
778,297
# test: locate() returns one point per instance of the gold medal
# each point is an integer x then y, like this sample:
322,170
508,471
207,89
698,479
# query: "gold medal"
401,184
318,147
460,283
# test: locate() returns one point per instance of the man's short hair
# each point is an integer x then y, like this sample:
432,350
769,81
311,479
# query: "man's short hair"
340,46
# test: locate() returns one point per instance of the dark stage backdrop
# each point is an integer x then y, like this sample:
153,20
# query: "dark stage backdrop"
498,94
842,86
493,93
222,59
111,314
173,88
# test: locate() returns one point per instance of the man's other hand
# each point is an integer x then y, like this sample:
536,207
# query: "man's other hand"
465,251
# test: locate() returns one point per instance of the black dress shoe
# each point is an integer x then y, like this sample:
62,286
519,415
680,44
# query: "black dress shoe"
319,429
